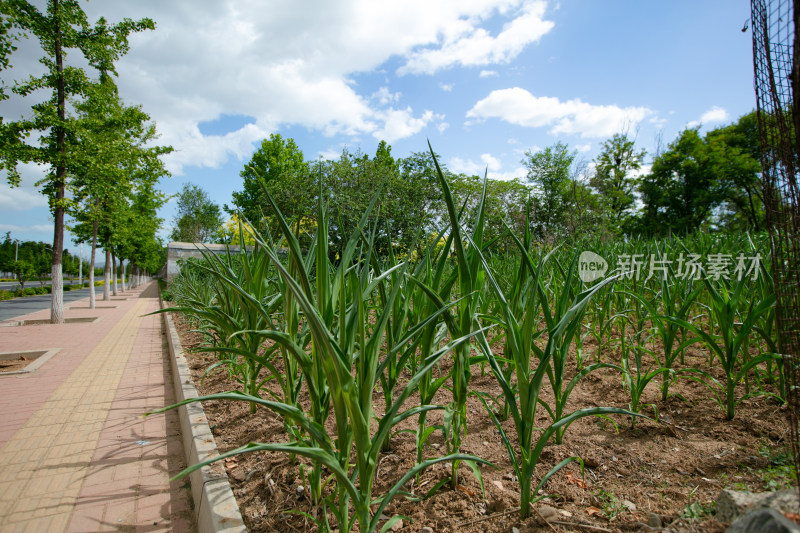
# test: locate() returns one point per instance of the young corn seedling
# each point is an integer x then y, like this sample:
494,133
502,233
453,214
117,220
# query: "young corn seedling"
671,300
635,374
427,280
526,452
349,355
564,322
726,346
240,310
470,278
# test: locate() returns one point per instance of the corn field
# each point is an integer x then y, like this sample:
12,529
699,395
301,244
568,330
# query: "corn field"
356,337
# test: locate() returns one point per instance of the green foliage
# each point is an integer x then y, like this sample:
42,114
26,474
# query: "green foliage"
550,172
694,177
280,165
198,219
614,179
62,31
743,208
610,504
24,271
334,319
734,326
339,357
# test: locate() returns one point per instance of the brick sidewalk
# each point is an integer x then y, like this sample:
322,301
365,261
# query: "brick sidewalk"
76,454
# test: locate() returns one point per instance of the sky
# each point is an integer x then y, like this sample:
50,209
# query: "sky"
483,80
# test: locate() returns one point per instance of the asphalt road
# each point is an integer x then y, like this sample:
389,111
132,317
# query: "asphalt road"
17,307
13,285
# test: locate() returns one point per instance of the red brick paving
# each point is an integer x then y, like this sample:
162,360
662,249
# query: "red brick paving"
76,453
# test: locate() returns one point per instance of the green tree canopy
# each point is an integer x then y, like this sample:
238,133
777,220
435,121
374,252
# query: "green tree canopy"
691,181
60,29
615,181
280,164
550,173
744,202
198,218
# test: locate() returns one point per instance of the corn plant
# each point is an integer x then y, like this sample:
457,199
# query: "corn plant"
563,310
349,355
766,328
674,300
520,341
428,282
240,309
397,325
635,374
727,345
470,278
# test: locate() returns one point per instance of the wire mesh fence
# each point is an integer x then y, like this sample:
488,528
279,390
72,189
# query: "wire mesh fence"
776,63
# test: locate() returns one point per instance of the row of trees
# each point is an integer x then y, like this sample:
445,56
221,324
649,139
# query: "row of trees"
699,180
102,164
29,259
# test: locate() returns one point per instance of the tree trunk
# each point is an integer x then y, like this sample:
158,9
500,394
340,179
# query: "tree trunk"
92,294
107,275
122,267
114,270
56,276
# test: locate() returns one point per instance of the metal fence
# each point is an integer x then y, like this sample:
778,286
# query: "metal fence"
776,63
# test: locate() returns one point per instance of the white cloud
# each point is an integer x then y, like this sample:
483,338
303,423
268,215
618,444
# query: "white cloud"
330,154
385,96
644,170
491,162
488,163
27,195
583,148
20,199
290,66
446,87
36,228
572,117
471,46
488,73
714,115
213,150
517,173
400,123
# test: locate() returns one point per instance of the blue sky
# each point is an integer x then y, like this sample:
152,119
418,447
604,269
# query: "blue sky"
484,80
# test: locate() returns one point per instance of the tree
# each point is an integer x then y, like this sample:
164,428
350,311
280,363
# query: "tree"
744,203
7,39
24,271
198,218
421,205
691,180
280,165
615,181
113,153
549,171
506,204
61,28
232,231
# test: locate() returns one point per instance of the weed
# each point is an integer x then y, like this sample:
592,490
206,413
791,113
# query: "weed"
612,507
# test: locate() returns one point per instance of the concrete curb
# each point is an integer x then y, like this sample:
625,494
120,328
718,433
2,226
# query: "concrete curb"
214,503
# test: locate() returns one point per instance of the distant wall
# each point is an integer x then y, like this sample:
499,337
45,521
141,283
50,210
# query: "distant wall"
185,250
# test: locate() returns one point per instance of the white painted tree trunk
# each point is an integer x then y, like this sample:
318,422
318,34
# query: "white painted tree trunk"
92,293
107,277
114,271
57,295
